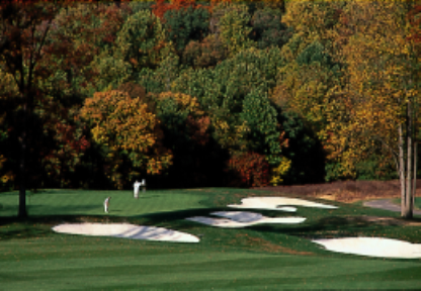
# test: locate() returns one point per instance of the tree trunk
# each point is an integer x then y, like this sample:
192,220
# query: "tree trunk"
402,170
409,145
414,186
22,213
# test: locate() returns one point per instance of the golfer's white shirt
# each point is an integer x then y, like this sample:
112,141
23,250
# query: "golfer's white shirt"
136,186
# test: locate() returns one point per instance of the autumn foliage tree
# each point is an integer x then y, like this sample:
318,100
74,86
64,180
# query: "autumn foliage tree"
82,33
267,28
140,41
242,119
248,169
162,6
233,27
352,74
184,25
382,89
8,96
207,53
24,29
186,132
263,135
127,130
310,73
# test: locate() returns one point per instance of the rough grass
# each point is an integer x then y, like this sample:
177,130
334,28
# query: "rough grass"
32,257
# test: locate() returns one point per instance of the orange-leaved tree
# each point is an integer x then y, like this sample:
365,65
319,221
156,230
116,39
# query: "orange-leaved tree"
249,169
129,132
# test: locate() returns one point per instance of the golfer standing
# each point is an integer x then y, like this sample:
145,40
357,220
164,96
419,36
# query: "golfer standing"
136,186
106,204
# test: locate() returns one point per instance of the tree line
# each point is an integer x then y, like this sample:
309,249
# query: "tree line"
208,93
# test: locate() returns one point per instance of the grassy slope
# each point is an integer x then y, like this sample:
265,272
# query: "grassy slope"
277,257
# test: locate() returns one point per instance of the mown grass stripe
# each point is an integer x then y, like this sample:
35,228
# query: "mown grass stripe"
285,265
222,278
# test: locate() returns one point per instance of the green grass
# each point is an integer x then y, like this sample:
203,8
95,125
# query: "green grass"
80,202
32,257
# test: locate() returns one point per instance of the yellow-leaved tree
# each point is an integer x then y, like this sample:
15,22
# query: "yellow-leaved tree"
127,130
380,89
353,72
311,72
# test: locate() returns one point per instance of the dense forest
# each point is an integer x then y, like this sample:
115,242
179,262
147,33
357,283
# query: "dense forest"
198,94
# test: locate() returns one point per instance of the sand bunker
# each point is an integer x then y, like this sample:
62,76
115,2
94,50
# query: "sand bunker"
126,230
242,219
287,209
372,247
272,203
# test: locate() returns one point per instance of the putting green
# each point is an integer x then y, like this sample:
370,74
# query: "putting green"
83,202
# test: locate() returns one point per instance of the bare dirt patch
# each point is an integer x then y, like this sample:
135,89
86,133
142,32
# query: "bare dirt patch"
344,191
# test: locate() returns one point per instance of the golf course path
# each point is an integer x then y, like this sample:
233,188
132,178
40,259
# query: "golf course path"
387,205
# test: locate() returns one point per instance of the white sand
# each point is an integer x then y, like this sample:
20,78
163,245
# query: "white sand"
372,247
235,219
271,203
287,209
126,230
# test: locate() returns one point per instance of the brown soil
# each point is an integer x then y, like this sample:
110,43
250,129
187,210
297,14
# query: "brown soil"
345,191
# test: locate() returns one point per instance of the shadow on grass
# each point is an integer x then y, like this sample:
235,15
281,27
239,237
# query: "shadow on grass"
314,227
181,214
12,227
22,232
336,226
62,209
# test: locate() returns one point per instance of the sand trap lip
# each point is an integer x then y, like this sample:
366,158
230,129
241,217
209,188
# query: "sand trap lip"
271,203
287,209
372,247
237,219
126,230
